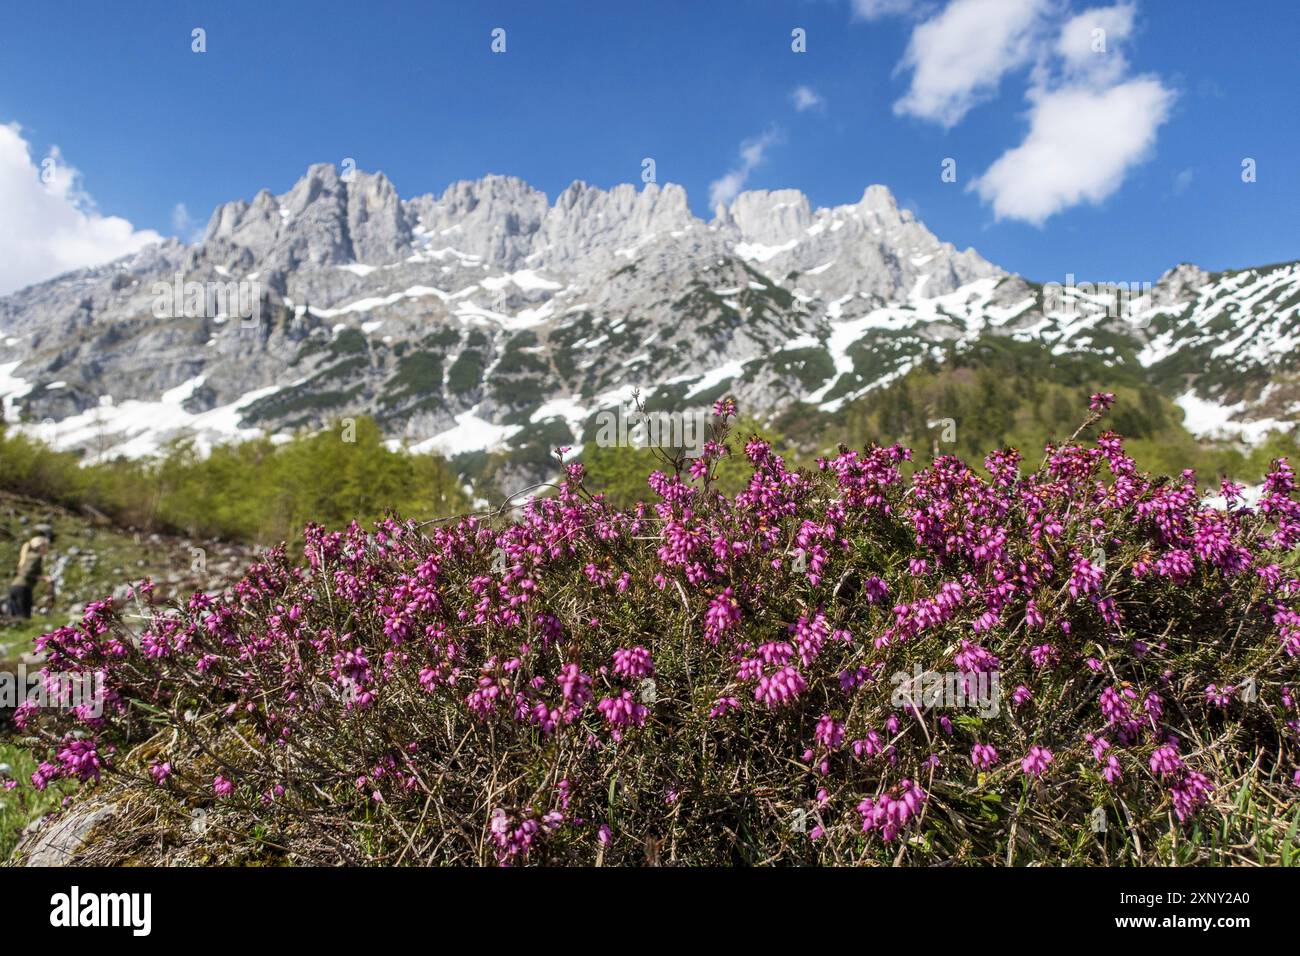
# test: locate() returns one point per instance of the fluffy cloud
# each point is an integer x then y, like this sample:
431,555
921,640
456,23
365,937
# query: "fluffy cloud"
1081,143
1088,125
1089,121
728,186
805,98
52,227
958,56
1089,44
185,226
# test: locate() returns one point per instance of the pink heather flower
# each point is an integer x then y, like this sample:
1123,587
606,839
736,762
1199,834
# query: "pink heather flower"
973,659
552,819
889,814
43,774
25,711
725,408
1085,578
1036,761
722,705
575,686
623,711
809,636
723,614
868,746
1033,616
1099,746
1165,761
1176,565
481,648
1219,697
851,679
829,732
1112,773
1101,401
983,756
780,688
1044,655
78,758
1189,794
633,662
512,840
499,823
1115,706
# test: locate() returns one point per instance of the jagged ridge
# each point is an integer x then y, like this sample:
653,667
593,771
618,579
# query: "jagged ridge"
490,316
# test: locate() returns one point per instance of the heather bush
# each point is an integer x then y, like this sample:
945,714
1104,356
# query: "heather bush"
709,678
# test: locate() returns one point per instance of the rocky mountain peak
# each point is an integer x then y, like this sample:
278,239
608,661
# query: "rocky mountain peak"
1177,282
771,217
467,320
878,201
377,222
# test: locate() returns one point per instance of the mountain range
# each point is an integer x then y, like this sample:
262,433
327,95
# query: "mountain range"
489,319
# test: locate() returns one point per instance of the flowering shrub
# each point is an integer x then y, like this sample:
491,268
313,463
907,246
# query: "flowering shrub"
714,679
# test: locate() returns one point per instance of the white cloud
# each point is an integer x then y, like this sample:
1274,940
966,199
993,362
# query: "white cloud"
52,227
1081,143
805,98
1183,179
1088,125
958,56
184,225
727,187
875,9
1089,44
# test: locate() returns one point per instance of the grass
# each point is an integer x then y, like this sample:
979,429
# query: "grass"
21,806
16,637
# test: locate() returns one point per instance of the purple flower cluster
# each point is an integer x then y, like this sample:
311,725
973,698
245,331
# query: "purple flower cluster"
477,666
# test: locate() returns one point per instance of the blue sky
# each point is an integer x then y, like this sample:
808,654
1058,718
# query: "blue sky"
1154,129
